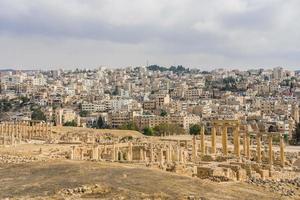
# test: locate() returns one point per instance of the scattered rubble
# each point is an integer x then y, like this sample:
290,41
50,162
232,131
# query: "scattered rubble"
286,187
85,189
16,159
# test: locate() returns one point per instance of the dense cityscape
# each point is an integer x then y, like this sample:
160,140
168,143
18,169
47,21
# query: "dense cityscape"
153,100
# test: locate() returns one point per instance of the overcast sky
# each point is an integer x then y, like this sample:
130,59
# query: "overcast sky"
206,34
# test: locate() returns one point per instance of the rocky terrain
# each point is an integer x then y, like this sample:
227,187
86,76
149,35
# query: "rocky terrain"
285,187
13,159
61,179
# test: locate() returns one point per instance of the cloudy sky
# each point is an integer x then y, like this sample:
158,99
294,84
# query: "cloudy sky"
205,34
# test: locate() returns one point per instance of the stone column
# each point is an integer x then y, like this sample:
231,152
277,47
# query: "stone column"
151,153
46,135
50,131
145,156
113,152
1,129
213,140
270,150
202,140
282,157
244,143
9,130
258,147
30,130
25,128
25,133
121,155
95,152
168,157
12,142
194,148
45,131
130,151
181,155
248,146
172,153
141,154
237,141
177,154
38,130
105,149
184,153
72,153
41,130
34,130
224,141
2,132
4,135
100,150
161,156
81,154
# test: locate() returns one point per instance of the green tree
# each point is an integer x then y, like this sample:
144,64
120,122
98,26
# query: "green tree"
5,105
163,113
37,114
148,131
129,126
168,129
24,100
195,129
100,123
83,113
70,123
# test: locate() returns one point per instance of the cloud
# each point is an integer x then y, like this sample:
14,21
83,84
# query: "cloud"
128,32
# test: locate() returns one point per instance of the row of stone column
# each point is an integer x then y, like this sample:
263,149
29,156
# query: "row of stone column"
23,130
236,144
166,153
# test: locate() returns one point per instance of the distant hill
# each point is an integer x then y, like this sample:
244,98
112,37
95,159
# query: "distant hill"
7,70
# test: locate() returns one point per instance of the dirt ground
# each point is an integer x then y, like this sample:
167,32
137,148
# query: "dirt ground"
44,179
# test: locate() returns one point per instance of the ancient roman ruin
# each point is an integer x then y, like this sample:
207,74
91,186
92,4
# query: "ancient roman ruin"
202,156
224,150
12,133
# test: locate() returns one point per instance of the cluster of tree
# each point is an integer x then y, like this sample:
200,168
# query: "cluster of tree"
148,131
129,126
24,101
100,124
163,113
70,123
174,69
229,84
179,69
8,105
5,105
226,84
164,129
157,68
287,83
83,113
38,114
195,129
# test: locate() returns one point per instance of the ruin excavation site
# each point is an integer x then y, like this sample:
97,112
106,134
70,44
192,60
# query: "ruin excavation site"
230,161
